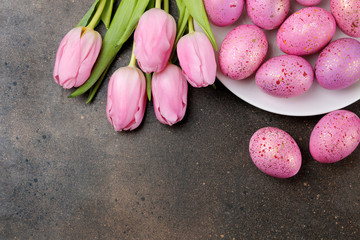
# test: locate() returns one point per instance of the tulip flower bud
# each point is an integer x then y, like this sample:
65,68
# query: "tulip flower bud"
154,39
169,90
126,99
76,56
197,59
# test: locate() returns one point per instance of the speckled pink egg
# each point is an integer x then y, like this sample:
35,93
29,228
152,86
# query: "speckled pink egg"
242,51
267,14
335,136
307,31
285,76
309,3
338,65
347,16
275,152
225,12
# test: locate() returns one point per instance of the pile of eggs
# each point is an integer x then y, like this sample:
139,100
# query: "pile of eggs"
302,33
299,34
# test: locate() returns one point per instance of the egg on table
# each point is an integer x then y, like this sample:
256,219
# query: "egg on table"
285,76
338,65
306,31
267,14
225,12
242,51
347,16
275,152
335,136
309,3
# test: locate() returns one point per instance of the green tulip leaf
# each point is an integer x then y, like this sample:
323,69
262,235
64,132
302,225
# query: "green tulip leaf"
107,13
181,25
96,87
197,11
181,7
183,20
88,16
134,19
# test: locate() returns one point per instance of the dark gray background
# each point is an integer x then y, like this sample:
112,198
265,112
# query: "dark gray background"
66,174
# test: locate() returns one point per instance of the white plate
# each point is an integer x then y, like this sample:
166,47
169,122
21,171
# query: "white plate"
316,101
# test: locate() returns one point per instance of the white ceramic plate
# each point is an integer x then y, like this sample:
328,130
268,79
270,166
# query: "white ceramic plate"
316,101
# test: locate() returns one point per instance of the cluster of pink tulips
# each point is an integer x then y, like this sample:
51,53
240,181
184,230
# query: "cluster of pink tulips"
154,42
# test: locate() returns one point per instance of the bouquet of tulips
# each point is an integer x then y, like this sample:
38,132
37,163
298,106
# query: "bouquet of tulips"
84,58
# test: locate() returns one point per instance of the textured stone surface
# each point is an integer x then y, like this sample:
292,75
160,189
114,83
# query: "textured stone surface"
65,174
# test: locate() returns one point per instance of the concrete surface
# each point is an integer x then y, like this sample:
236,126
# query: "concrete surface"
65,174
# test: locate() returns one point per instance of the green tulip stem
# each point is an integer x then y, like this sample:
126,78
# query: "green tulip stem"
97,15
166,6
148,85
133,58
191,25
158,4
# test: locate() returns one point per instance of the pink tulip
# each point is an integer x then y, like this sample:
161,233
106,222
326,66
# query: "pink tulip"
126,99
76,56
154,39
169,90
197,59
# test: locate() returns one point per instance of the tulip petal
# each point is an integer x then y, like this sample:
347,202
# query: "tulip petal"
59,55
207,58
169,89
90,48
126,98
197,59
70,61
154,38
188,54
